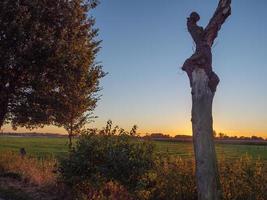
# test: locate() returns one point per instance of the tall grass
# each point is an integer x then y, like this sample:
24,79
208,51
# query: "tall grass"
29,169
244,179
174,178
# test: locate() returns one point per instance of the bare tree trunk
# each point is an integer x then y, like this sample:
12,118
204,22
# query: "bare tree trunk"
208,183
2,118
3,111
70,139
70,132
204,81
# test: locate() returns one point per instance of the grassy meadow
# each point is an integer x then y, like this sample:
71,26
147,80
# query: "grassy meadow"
37,146
36,176
53,146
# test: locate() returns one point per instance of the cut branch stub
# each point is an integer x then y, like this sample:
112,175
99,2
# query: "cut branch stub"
222,12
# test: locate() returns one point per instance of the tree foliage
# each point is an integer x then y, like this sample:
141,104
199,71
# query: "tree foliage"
48,70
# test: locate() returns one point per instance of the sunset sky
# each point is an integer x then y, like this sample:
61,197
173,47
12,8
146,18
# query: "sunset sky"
146,42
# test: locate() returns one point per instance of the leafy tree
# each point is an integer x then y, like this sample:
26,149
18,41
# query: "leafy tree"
28,44
78,96
48,69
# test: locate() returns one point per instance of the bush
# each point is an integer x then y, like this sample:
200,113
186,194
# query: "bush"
244,179
100,158
171,178
111,190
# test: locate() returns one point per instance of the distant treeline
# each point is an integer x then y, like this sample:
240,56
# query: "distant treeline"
33,134
221,137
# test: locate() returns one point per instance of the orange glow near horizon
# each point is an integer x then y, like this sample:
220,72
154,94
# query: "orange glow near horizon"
171,131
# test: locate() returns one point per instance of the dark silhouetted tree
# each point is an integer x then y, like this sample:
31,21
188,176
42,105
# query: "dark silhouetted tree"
203,82
48,69
29,35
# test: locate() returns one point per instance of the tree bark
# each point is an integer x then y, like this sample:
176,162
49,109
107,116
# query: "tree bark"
208,183
3,110
204,81
2,118
70,133
70,140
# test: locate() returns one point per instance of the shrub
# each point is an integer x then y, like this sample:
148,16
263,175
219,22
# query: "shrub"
97,159
109,191
244,179
171,178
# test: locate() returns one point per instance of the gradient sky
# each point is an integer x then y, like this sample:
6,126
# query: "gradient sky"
146,42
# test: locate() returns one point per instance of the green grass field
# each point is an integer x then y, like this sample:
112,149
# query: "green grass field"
228,151
39,146
45,146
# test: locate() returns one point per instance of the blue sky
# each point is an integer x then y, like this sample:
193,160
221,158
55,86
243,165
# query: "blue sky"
146,42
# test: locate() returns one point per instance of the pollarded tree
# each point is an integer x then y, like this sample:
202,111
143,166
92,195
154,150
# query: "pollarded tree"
203,82
66,94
